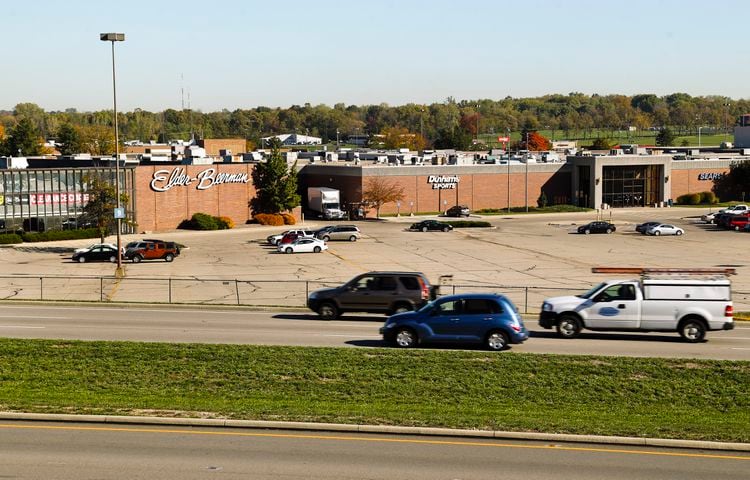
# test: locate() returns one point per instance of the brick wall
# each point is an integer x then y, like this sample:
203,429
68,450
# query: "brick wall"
157,211
686,181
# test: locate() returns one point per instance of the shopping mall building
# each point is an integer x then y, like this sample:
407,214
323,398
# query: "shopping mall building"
161,195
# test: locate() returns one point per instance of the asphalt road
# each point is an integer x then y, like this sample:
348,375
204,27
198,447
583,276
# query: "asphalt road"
91,451
146,324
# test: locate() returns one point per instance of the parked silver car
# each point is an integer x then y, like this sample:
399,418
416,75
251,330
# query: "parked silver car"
340,232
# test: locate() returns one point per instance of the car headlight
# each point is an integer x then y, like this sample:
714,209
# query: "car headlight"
546,307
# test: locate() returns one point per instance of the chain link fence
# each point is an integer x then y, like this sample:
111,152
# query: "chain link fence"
266,293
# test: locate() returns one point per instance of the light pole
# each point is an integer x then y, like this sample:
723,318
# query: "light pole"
699,137
477,123
526,188
508,152
116,37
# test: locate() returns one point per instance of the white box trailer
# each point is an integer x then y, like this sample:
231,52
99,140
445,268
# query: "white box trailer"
325,202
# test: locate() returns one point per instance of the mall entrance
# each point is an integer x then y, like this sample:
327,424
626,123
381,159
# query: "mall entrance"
632,185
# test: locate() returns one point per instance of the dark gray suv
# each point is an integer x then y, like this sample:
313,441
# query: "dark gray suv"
373,292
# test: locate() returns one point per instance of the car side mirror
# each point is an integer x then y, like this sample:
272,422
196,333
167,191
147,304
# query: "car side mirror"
601,298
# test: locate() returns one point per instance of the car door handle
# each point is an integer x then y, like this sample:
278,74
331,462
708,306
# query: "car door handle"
454,320
487,319
622,306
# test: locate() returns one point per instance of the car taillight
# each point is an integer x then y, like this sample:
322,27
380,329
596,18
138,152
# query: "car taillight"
516,328
728,311
425,290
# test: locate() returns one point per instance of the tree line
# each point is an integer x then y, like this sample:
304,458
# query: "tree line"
448,124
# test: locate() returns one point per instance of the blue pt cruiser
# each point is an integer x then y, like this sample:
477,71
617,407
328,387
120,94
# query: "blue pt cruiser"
475,318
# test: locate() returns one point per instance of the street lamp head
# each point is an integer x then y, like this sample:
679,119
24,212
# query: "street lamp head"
112,37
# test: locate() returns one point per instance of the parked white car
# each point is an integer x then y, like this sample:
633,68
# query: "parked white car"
665,229
304,245
709,217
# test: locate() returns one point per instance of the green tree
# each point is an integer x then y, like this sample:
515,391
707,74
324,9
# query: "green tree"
69,139
24,137
735,185
601,143
102,202
665,137
275,183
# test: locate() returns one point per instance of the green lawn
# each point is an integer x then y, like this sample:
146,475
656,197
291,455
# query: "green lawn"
616,137
516,210
673,398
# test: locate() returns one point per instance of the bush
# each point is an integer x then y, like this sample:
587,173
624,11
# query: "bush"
709,198
689,199
53,235
8,238
469,224
225,223
269,219
288,218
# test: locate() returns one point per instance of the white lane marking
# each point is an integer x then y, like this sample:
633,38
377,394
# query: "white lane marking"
738,348
18,326
346,336
31,318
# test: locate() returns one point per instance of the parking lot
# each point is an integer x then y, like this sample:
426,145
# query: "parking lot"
536,250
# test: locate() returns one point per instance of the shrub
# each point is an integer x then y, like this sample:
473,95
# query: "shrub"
225,223
8,238
288,218
689,199
53,235
709,198
269,219
469,224
203,221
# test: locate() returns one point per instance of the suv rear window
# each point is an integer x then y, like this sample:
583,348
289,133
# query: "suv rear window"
385,283
410,283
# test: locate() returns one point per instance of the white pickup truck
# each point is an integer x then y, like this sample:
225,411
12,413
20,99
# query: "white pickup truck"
690,306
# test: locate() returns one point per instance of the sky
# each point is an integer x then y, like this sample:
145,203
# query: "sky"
227,54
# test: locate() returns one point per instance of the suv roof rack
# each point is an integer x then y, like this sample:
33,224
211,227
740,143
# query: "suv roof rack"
665,271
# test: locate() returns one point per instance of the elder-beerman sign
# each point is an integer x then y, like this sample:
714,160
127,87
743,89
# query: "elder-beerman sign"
163,180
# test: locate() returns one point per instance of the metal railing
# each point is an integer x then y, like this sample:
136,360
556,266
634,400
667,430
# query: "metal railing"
254,292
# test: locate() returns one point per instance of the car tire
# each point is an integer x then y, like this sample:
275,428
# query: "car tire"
326,238
112,259
679,232
424,229
568,326
692,330
137,259
401,308
289,250
316,250
496,341
587,231
445,229
328,311
353,238
81,259
657,233
736,229
168,257
405,338
609,230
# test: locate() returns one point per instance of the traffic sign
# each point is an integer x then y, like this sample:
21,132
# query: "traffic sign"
503,139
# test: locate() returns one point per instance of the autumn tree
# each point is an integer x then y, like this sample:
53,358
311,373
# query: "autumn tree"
98,140
102,202
380,190
535,142
275,183
400,137
601,143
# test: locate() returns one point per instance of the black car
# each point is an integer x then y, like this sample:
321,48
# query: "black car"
642,228
426,225
98,253
458,211
80,222
373,292
597,227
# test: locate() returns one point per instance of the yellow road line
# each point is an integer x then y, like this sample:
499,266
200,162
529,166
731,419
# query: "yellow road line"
378,440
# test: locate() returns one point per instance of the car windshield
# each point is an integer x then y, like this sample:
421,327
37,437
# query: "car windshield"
591,292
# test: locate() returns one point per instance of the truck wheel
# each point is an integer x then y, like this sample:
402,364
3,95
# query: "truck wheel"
693,330
496,341
328,311
568,326
168,257
137,259
405,338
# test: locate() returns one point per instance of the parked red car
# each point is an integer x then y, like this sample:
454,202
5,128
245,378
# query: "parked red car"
288,238
738,222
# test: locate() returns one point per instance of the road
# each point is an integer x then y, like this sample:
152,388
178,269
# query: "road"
93,451
140,323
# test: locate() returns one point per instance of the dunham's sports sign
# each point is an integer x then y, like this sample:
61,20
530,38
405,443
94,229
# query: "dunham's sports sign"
163,180
440,182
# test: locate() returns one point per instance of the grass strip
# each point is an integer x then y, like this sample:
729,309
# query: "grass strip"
670,398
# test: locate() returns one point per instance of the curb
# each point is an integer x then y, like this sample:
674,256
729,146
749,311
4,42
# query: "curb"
384,429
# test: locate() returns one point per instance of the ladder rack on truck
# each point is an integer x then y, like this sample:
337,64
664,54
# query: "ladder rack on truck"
646,271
